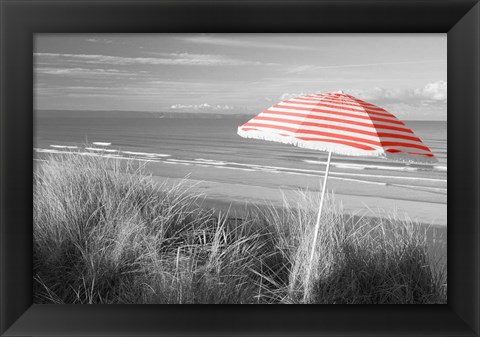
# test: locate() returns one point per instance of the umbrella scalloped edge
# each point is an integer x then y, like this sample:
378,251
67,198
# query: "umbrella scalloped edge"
336,148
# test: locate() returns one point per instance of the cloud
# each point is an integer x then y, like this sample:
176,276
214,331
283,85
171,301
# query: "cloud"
434,93
290,96
166,59
100,40
200,107
83,71
302,69
218,41
92,95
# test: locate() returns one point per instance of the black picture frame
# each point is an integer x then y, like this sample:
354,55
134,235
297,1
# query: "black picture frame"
20,20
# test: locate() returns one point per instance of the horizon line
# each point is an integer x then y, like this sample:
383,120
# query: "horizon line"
196,112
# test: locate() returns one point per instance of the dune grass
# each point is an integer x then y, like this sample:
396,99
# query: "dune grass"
104,232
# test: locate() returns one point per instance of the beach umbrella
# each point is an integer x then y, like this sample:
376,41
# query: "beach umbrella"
337,123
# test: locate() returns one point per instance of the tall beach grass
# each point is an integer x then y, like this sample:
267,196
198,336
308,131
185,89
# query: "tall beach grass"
104,232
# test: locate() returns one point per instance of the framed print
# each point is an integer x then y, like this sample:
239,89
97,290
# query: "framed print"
221,153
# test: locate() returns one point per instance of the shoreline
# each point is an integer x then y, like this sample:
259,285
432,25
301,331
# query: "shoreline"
241,196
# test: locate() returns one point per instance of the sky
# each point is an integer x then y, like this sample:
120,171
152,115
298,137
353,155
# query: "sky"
239,73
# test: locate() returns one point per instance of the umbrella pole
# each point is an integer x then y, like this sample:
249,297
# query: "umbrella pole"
317,226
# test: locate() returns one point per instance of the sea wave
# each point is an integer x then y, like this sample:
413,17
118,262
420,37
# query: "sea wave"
440,168
377,167
64,146
202,162
147,154
100,149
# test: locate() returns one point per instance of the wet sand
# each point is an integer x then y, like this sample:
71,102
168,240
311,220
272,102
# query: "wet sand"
253,187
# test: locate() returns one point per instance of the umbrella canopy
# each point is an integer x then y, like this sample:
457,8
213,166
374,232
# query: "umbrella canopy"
338,123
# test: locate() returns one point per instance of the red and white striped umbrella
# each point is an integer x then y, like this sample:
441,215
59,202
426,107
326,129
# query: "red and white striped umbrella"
338,123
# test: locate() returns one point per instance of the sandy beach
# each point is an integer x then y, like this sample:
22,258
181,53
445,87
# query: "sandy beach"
238,195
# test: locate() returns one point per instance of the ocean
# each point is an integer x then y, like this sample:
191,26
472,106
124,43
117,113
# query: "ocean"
207,148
